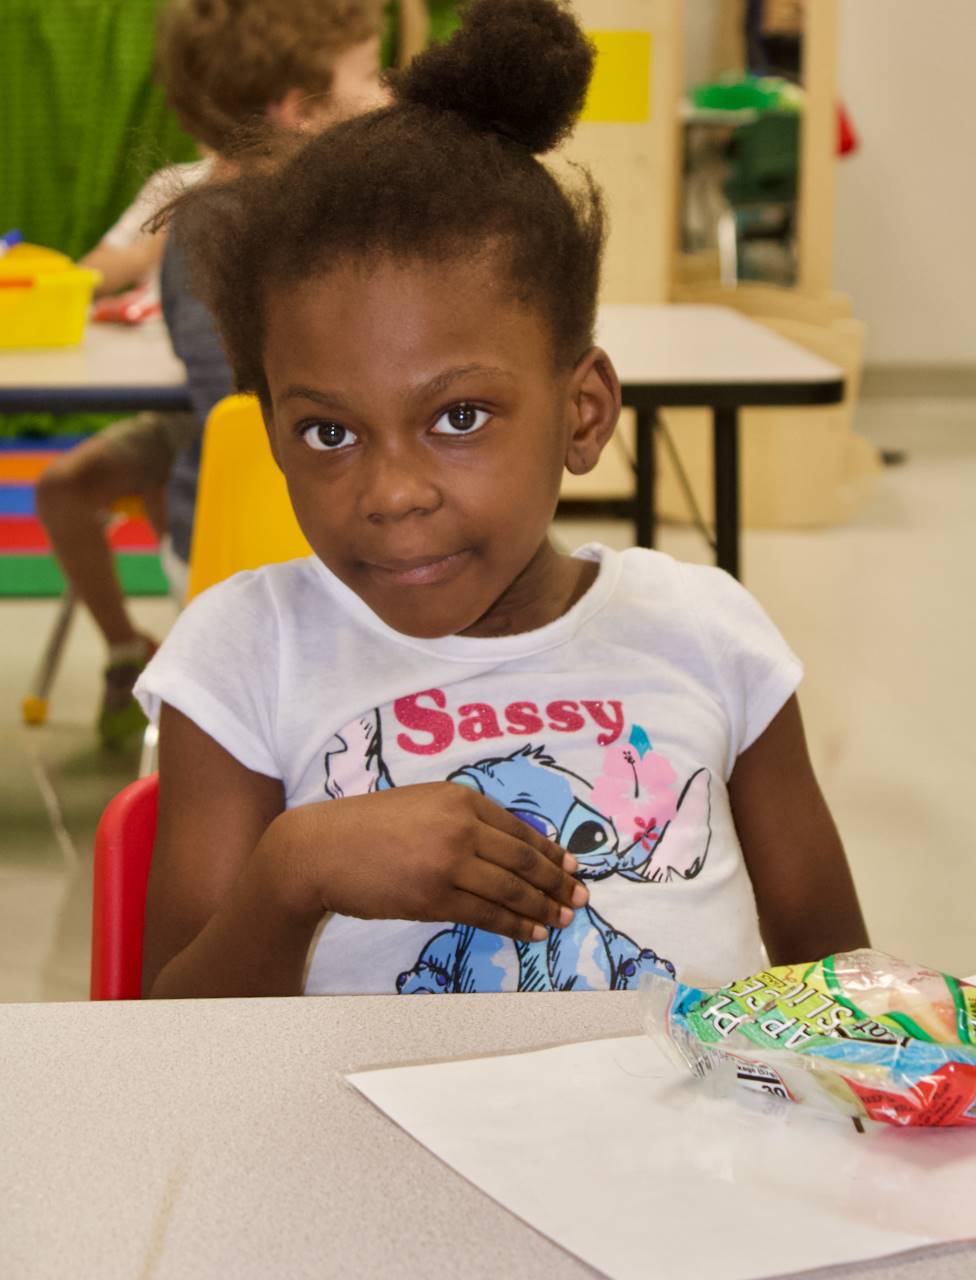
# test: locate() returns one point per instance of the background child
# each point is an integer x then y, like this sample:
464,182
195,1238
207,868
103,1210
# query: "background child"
438,755
132,457
292,66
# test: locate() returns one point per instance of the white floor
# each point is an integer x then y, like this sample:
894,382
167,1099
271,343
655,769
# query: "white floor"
883,612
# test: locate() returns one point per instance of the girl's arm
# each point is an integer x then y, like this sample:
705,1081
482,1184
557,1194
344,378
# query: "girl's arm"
238,885
218,920
807,904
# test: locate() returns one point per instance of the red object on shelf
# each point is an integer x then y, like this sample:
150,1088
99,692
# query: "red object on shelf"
847,139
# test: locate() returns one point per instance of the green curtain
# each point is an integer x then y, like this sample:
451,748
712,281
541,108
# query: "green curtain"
443,20
83,125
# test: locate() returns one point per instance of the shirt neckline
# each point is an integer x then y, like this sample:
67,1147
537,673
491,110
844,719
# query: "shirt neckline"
498,648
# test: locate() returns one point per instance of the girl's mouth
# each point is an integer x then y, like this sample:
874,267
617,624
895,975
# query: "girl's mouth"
417,571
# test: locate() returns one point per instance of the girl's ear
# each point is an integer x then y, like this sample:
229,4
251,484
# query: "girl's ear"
594,409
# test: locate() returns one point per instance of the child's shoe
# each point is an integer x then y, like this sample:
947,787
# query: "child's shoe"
121,716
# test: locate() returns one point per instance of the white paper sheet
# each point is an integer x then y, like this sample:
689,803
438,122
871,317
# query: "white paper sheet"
602,1148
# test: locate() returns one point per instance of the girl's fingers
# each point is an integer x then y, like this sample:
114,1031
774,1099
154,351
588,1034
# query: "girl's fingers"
495,816
495,884
526,864
469,908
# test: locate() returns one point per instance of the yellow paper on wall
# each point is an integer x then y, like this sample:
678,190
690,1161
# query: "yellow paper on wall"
620,91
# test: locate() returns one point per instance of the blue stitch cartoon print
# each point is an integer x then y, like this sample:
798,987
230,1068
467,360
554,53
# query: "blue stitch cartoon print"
635,796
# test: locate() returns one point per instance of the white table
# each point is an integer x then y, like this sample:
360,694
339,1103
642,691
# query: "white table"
666,355
205,1138
115,368
711,357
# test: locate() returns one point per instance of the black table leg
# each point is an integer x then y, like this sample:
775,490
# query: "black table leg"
644,496
726,453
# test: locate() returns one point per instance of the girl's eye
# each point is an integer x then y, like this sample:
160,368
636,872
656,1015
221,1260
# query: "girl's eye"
461,420
326,436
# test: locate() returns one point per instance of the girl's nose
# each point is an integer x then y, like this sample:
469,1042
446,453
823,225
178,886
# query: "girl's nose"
399,486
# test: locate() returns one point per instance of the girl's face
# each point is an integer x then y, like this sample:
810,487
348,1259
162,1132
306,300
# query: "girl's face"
422,429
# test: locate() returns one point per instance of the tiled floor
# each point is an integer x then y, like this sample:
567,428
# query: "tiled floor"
883,612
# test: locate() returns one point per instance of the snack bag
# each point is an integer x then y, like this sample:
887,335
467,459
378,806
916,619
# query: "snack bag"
859,1033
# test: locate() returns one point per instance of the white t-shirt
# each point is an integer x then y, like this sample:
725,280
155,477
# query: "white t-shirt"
162,186
613,729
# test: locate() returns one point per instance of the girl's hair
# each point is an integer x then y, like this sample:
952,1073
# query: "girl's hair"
222,63
448,170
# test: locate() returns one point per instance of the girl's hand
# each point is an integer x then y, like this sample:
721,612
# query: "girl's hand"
435,851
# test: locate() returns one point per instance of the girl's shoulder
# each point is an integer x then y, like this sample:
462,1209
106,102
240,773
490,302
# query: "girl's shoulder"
701,621
682,594
245,617
283,587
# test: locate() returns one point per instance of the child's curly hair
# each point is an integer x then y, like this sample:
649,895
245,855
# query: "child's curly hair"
222,63
448,170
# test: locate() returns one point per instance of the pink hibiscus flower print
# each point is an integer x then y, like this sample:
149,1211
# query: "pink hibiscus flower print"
637,793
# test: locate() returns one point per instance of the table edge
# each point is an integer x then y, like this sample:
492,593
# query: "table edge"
93,399
732,395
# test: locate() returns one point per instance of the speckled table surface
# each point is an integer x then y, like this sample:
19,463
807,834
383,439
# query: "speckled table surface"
204,1138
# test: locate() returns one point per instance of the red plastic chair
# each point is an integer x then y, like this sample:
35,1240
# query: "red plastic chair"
123,853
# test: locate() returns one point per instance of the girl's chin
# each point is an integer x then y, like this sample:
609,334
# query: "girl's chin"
428,624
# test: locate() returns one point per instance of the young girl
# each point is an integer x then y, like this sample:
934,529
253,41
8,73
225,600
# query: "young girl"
438,755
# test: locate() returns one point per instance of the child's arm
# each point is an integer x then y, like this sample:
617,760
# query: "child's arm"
239,885
213,813
804,892
123,268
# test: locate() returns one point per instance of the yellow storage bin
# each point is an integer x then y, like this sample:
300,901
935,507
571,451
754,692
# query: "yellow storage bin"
44,298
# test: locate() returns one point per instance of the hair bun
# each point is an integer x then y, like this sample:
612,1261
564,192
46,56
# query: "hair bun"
518,67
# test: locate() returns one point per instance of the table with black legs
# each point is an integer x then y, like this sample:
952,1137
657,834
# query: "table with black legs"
708,357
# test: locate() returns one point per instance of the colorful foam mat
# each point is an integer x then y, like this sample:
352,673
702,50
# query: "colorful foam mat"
27,567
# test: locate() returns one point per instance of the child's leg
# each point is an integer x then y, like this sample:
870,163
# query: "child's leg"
129,458
74,495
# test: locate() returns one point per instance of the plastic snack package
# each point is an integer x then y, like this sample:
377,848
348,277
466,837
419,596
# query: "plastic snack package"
858,1034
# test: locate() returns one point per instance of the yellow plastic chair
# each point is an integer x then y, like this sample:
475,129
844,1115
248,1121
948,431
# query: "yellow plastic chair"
243,520
243,517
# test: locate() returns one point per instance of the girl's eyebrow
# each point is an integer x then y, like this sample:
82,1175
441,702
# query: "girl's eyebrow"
433,387
441,381
328,399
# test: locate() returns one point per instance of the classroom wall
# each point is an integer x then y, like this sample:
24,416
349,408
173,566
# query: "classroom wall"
906,202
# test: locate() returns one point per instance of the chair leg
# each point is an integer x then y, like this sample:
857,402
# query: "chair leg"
34,706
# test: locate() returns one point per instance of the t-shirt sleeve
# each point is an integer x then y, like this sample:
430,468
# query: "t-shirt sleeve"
128,230
161,187
219,667
755,670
